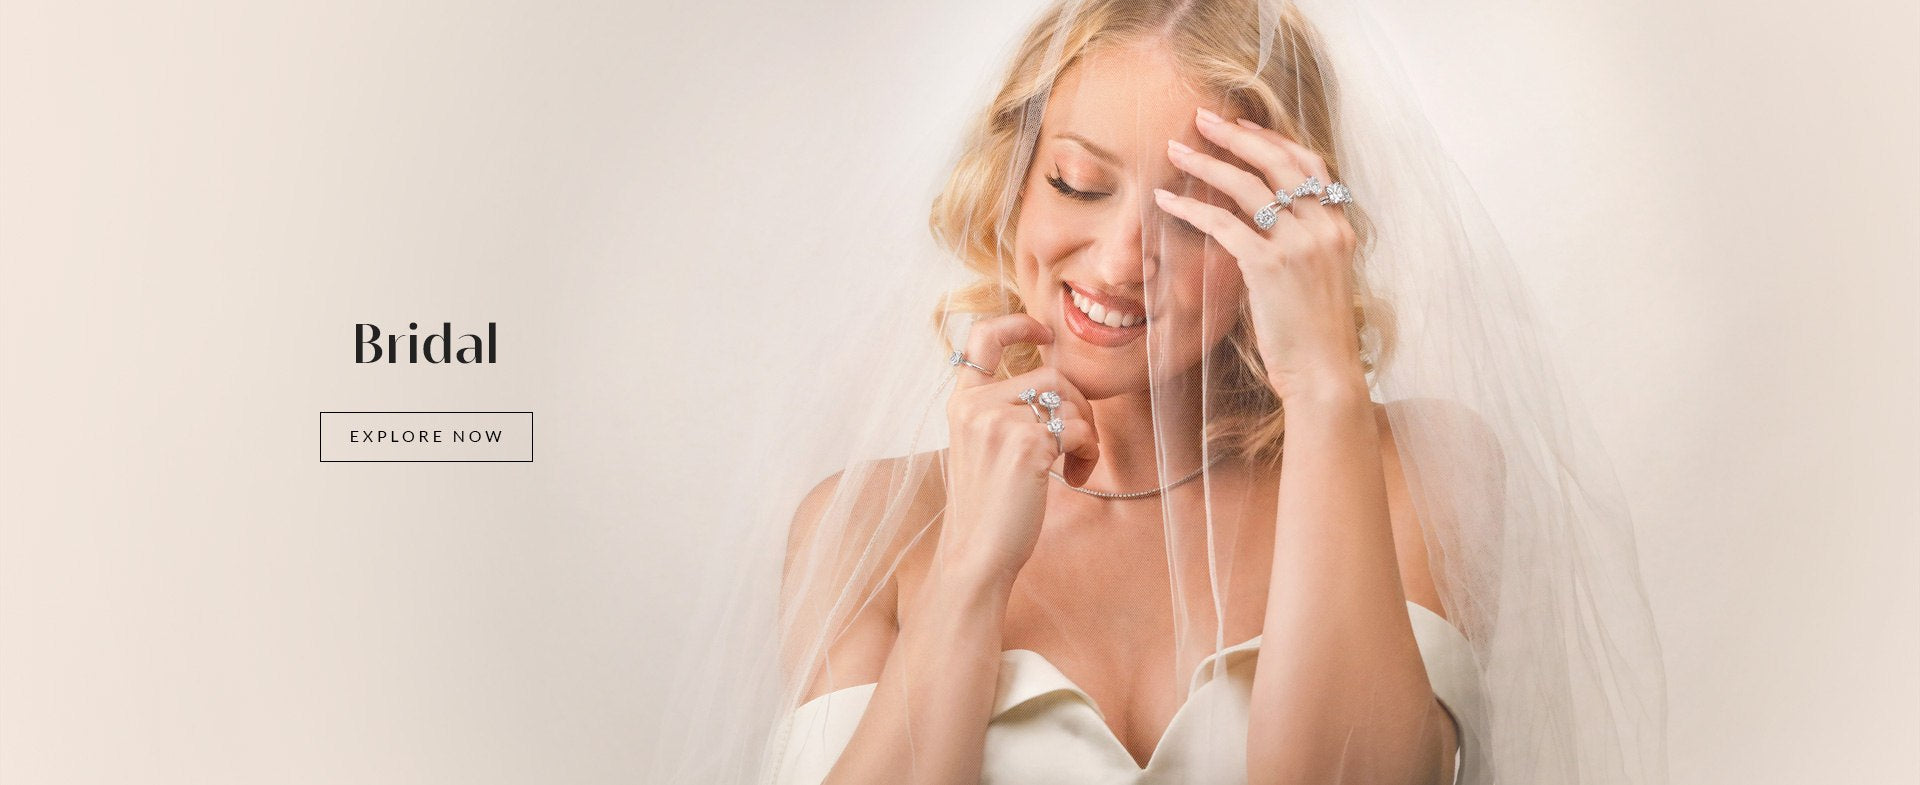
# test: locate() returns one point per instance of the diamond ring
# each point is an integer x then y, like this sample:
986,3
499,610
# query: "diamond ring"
1055,425
1337,194
1027,396
1267,216
959,358
1311,187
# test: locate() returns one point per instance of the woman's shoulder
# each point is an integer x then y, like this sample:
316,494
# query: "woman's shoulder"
846,540
868,490
893,497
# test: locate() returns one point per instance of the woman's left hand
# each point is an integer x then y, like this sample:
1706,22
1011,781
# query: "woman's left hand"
1297,272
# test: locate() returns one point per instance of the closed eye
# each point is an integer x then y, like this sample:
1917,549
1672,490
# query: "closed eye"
1069,191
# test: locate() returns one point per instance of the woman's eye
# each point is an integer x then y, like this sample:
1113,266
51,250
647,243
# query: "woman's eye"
1069,191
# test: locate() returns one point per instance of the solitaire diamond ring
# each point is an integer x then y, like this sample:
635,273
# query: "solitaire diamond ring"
959,358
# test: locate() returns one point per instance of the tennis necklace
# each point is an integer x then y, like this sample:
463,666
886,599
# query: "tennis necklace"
1138,494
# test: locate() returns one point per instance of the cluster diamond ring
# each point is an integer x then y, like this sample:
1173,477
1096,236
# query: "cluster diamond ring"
1311,187
959,358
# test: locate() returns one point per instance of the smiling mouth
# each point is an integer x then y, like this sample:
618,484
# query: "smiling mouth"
1080,311
1100,314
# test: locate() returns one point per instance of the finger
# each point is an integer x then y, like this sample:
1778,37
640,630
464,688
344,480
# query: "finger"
1245,188
1072,402
1275,163
1231,231
988,339
1082,451
1306,160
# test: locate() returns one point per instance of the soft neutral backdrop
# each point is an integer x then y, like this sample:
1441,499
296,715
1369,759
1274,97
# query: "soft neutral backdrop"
1714,201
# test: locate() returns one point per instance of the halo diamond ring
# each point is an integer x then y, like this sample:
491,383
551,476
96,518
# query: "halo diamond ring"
1267,216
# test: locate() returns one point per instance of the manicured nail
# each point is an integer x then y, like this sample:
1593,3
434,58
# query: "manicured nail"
1208,116
1176,146
1249,124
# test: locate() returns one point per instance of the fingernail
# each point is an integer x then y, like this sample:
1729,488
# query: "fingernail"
1162,194
1208,116
1245,123
1176,146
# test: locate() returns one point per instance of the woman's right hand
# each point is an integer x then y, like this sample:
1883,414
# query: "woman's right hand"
999,454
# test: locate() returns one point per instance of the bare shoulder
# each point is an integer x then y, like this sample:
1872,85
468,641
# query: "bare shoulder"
864,499
839,578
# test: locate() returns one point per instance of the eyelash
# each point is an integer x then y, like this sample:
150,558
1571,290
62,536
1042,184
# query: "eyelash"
1069,191
1060,184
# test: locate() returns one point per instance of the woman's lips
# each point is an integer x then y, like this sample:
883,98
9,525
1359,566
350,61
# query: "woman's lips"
1094,332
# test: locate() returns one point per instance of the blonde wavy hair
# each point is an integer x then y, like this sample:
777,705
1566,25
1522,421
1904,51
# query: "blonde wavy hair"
1216,43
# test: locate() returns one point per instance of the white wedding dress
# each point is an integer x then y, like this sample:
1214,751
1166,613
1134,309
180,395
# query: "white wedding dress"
1046,731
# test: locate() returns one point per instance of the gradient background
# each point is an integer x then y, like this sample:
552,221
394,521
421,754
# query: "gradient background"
1716,202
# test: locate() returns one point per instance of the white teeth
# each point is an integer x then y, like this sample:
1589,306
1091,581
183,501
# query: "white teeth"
1100,314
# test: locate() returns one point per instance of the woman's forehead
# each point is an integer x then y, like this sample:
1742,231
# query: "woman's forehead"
1127,100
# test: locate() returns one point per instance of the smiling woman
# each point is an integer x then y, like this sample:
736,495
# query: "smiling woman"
1250,470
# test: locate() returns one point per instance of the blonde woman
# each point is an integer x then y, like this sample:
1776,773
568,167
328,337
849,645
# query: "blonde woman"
1172,535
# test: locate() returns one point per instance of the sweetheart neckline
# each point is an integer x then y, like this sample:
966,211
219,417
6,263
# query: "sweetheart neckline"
1449,658
1153,756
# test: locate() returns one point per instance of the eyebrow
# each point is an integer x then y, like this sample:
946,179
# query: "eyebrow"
1097,151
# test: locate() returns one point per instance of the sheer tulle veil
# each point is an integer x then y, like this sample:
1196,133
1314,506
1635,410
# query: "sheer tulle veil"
1530,539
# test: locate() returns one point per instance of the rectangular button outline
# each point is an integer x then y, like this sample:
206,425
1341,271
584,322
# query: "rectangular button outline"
323,442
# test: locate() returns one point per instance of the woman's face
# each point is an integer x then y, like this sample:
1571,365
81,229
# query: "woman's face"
1090,238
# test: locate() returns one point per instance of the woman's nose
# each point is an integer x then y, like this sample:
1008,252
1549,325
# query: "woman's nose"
1123,256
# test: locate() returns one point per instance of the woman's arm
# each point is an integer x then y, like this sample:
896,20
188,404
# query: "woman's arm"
936,672
1340,692
927,720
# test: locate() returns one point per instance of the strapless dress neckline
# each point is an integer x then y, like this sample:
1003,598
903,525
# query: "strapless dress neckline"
1045,729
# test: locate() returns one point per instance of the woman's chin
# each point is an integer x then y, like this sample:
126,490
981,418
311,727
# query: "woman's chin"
1099,379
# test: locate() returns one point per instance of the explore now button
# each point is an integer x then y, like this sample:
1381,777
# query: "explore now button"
426,436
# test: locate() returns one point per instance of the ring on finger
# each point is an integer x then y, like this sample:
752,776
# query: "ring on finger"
1267,216
1027,396
1055,426
1051,400
1311,187
959,358
1337,193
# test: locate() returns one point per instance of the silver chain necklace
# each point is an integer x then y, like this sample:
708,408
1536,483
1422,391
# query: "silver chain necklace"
1136,494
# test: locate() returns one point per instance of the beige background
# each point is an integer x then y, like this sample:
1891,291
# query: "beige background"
198,201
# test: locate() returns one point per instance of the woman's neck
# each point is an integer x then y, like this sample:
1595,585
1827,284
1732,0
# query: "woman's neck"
1129,446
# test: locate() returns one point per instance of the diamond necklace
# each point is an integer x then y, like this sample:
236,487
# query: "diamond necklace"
1137,494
